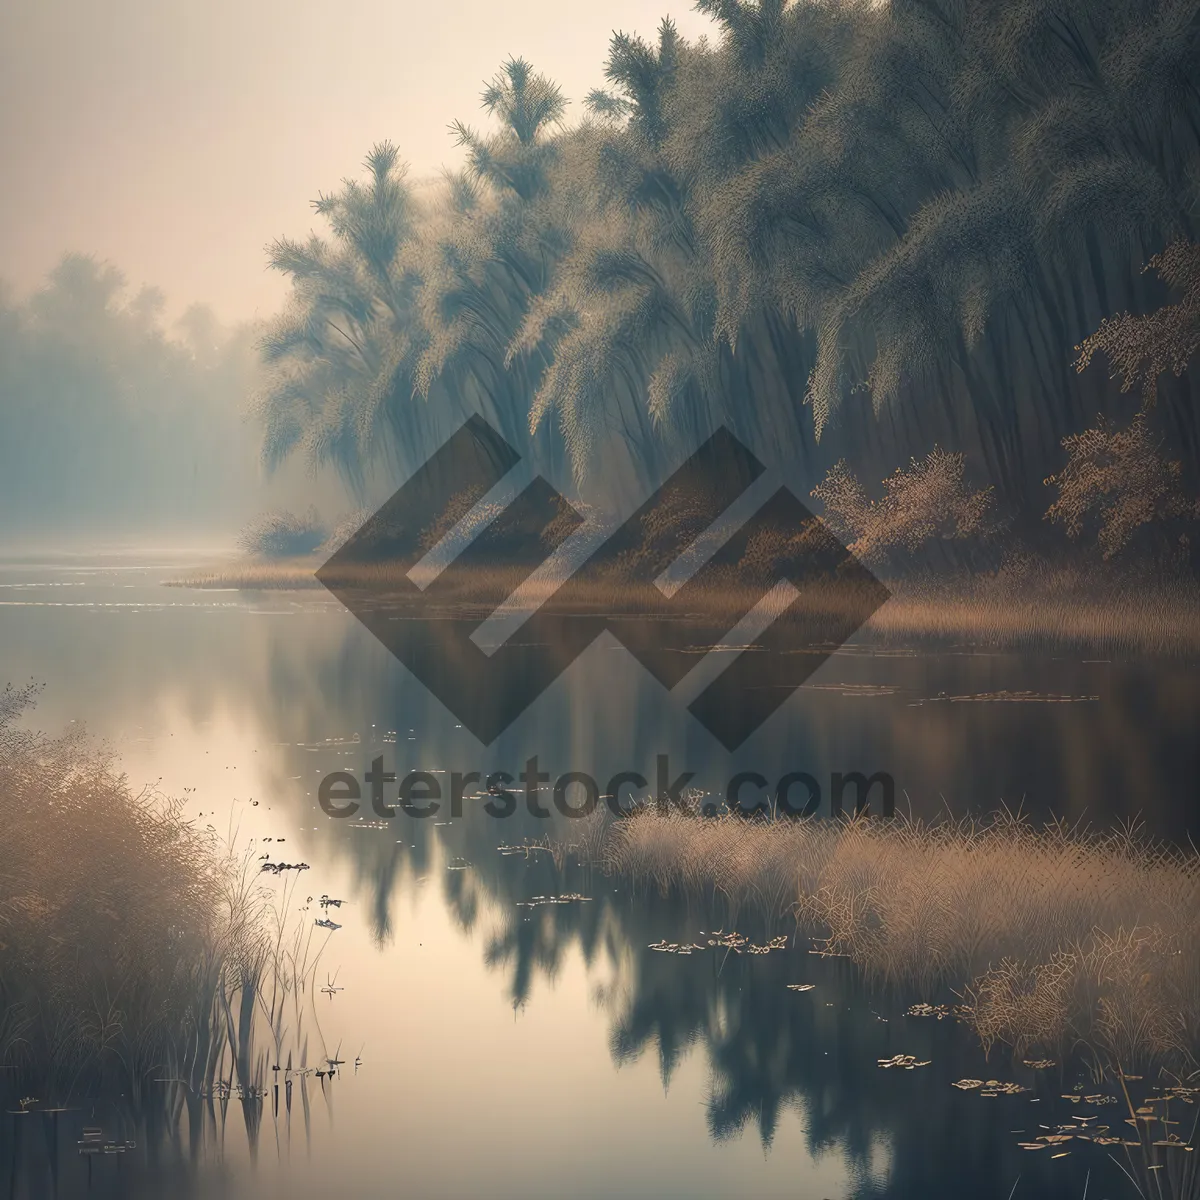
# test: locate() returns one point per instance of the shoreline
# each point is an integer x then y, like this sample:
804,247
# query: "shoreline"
1157,619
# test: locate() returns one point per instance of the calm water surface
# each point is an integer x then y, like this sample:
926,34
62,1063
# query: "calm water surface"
516,1049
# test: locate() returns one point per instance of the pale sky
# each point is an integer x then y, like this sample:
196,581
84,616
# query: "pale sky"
177,137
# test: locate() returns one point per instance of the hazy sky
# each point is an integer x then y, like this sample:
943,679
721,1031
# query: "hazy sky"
178,137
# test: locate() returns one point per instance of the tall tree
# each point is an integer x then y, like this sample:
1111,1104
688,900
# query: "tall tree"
847,230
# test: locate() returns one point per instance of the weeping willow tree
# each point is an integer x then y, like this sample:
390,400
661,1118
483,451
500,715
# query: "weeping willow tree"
847,230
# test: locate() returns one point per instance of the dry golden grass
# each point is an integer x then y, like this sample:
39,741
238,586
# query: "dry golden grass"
1051,936
1161,620
108,924
134,947
1033,611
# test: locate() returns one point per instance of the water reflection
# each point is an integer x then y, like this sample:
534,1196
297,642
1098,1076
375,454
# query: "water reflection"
768,1050
259,697
1098,741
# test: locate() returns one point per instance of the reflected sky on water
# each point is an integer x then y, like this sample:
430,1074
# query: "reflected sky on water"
510,1050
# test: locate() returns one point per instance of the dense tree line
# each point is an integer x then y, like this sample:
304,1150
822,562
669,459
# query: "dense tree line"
848,230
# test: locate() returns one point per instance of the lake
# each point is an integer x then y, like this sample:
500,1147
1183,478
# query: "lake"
504,1025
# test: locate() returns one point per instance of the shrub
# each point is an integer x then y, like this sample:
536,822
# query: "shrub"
1118,481
283,535
930,501
344,530
115,915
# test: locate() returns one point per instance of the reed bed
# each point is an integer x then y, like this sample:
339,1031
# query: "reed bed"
140,956
1052,937
1156,619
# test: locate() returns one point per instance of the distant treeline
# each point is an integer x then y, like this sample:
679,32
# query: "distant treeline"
117,423
111,421
850,231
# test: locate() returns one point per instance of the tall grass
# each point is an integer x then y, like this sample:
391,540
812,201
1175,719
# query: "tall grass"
1052,937
140,957
1031,605
112,936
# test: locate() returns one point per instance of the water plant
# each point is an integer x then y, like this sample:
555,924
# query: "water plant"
143,964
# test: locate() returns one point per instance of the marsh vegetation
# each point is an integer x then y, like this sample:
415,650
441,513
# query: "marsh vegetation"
1047,939
145,973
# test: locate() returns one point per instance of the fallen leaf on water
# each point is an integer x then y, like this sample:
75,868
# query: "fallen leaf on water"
905,1061
940,1011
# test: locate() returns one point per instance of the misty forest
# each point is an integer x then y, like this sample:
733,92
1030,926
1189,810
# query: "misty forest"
933,261
944,246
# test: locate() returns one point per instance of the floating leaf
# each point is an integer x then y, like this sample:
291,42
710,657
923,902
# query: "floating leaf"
905,1062
940,1011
